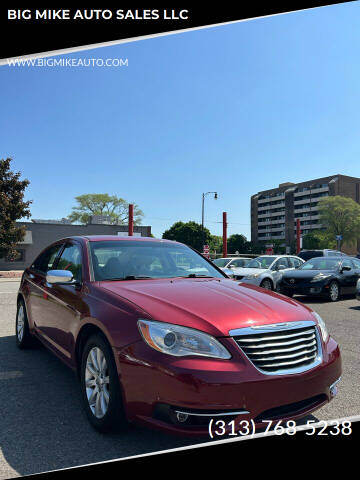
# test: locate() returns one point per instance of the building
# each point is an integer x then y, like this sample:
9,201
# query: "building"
274,212
41,233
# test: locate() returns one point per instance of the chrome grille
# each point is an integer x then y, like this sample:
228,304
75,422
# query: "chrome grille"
281,348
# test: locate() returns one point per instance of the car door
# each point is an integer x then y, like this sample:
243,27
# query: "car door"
35,278
348,278
65,302
356,264
277,269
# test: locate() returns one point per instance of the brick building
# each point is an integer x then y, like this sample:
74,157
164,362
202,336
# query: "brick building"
274,212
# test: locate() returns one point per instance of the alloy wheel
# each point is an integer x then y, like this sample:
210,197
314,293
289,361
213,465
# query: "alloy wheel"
20,324
266,284
334,291
97,382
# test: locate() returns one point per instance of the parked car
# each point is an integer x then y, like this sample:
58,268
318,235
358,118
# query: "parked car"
308,254
329,277
358,290
231,265
266,270
155,344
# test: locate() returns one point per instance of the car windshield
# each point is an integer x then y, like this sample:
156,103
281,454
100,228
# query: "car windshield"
132,260
221,262
321,263
261,262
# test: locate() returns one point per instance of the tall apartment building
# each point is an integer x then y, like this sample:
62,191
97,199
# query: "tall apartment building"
274,212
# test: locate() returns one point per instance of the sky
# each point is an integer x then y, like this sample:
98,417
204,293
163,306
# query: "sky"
235,109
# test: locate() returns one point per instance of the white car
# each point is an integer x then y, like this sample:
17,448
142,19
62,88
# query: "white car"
266,271
231,265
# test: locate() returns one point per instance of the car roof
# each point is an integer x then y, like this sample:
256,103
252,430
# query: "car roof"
112,238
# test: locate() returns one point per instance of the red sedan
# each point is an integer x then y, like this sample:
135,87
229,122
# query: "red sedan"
159,335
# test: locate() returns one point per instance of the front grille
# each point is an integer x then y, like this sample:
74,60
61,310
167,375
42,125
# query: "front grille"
292,281
292,409
239,277
281,348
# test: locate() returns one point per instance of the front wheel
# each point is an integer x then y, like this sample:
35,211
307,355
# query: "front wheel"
100,386
334,291
24,339
267,284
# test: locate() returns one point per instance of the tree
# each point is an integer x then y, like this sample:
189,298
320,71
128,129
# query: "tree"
319,239
12,208
238,242
340,216
216,243
189,233
103,204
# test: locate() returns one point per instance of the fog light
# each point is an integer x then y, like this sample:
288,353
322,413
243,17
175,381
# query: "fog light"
181,417
334,388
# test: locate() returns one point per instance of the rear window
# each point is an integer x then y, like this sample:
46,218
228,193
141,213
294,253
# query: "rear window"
307,254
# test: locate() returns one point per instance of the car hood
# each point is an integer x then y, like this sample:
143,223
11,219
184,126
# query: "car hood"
249,271
212,305
307,273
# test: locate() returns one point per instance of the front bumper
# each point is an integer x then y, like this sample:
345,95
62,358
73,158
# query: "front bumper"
252,281
315,288
152,380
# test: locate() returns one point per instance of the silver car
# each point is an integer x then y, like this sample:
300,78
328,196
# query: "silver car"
231,265
266,271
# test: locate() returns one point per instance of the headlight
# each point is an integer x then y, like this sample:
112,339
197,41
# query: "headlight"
323,329
180,341
253,275
318,278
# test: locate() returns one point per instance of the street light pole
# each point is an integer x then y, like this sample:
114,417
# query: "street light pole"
202,213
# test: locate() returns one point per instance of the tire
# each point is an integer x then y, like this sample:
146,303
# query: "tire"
100,387
334,291
267,284
24,339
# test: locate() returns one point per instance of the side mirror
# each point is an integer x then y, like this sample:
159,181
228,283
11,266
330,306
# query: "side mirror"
59,277
281,267
345,268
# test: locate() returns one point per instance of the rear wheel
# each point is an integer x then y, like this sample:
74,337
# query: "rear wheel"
334,291
267,284
100,386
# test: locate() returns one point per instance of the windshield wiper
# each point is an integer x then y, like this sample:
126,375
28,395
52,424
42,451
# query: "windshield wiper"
128,277
195,275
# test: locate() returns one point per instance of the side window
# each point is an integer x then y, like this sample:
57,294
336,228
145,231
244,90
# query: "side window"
46,260
282,262
356,262
294,262
71,260
347,263
237,263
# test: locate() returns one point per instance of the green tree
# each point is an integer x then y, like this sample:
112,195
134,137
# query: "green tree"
12,208
318,239
216,244
340,216
189,233
103,204
238,242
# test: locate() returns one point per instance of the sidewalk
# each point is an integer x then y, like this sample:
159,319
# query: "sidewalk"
10,275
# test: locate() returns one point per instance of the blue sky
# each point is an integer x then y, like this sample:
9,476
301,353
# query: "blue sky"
236,109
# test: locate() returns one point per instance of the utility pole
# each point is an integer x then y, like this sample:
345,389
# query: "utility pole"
202,214
224,234
131,220
298,233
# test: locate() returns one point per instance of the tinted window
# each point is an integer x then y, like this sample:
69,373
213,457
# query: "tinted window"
46,260
240,262
323,263
71,260
116,260
347,263
356,262
306,255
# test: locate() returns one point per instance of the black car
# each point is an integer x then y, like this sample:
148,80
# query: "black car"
322,276
308,254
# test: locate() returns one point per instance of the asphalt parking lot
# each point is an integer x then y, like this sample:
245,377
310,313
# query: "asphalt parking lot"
42,426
